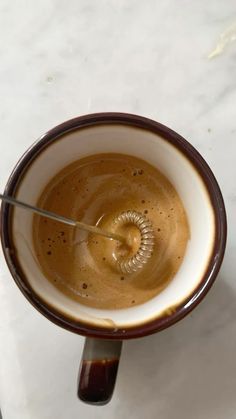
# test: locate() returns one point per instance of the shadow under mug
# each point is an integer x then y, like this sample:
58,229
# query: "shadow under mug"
105,329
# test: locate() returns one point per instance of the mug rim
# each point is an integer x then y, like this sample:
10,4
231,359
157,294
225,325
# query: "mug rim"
193,156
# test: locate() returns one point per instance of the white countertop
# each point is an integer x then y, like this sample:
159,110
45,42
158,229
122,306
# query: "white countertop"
60,59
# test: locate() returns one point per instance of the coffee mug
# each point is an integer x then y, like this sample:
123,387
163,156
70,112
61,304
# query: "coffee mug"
106,329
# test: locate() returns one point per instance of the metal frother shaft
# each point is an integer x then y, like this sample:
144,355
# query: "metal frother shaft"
61,219
127,265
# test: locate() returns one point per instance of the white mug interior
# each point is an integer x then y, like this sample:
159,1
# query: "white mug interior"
144,144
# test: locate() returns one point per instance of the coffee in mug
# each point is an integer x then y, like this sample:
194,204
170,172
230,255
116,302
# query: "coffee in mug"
95,190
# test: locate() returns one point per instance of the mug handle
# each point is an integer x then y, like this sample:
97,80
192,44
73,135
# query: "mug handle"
98,370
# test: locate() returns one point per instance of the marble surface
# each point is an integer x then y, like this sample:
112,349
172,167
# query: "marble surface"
60,59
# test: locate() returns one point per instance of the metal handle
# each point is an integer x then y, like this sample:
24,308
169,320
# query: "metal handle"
61,219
